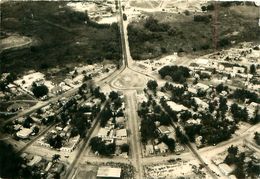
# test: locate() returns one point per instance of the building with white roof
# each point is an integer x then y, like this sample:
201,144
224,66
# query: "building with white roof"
201,86
121,133
163,147
36,159
202,105
176,107
164,130
24,133
108,172
102,132
225,168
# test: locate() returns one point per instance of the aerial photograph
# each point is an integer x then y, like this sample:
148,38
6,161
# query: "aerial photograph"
129,89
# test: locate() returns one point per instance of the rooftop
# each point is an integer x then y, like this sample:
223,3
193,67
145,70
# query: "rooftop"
121,133
109,172
176,107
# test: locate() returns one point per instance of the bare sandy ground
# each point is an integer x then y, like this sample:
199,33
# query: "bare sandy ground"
14,41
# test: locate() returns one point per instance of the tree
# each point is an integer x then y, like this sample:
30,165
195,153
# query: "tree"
105,115
125,148
55,142
11,77
80,123
223,104
257,138
203,8
36,129
221,87
165,119
124,17
233,150
169,142
118,103
113,95
242,94
55,158
177,73
27,122
39,91
152,85
185,115
211,107
252,69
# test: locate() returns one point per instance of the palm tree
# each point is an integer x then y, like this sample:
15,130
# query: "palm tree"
55,157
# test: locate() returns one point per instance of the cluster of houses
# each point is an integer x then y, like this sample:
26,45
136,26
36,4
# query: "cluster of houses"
225,64
159,147
25,132
250,157
46,169
69,143
74,79
97,10
114,132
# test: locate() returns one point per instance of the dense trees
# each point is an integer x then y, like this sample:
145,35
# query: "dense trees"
231,157
202,18
57,45
169,142
97,145
55,141
105,115
138,35
10,161
113,95
221,87
96,92
152,85
243,94
243,169
224,42
39,90
209,7
154,26
80,123
178,74
181,137
148,130
238,113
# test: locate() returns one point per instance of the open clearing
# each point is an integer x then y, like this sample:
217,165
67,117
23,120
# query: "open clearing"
14,41
144,3
130,79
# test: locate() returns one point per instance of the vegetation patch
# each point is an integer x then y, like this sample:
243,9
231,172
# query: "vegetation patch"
63,36
162,33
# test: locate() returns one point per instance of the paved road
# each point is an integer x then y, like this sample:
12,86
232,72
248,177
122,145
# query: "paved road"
133,119
86,140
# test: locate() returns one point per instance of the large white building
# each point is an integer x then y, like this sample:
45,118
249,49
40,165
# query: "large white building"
24,133
108,172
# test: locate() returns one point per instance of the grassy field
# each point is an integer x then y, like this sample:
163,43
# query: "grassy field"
234,24
62,37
